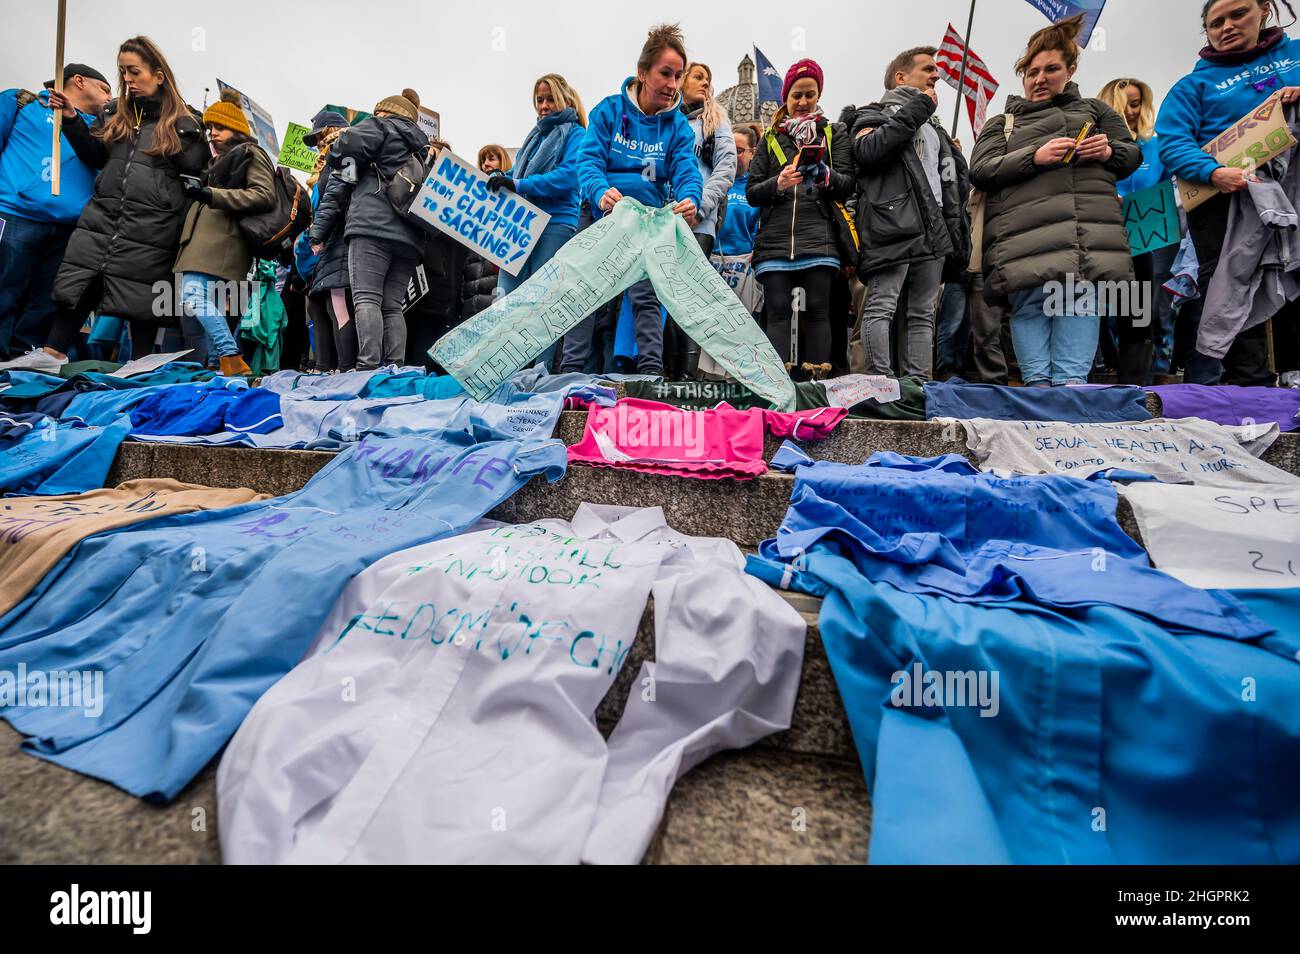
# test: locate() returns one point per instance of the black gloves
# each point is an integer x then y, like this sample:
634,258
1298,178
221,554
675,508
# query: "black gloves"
197,192
501,182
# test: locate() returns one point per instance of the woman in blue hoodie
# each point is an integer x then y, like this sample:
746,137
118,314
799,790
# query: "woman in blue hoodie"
1245,63
640,145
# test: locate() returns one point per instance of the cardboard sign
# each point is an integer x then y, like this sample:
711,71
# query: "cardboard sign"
1151,218
259,120
1249,142
416,288
295,153
430,122
1218,538
500,225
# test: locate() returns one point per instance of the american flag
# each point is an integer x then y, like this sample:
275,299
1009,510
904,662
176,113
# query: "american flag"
980,84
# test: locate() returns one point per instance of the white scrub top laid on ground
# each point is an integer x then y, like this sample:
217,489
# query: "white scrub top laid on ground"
446,713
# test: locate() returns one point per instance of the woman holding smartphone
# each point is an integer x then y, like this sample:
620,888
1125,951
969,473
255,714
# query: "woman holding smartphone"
803,165
1052,217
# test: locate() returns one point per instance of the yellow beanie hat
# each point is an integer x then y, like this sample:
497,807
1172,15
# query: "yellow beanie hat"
226,112
407,104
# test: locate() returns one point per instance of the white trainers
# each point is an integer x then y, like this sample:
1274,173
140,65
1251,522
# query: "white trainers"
38,359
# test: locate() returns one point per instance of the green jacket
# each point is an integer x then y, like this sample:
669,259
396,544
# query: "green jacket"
211,241
1042,223
264,322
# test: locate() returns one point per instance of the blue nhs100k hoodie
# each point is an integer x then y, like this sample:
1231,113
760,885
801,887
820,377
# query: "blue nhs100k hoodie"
26,144
1215,95
623,146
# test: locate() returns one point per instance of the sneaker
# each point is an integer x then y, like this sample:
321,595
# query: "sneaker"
38,359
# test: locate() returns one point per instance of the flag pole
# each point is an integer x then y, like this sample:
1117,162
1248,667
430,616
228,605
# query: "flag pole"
58,113
961,82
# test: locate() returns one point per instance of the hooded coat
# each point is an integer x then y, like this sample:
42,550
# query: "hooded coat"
794,224
375,149
899,222
1043,223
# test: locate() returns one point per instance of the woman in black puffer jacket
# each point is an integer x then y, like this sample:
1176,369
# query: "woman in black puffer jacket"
127,236
796,251
478,285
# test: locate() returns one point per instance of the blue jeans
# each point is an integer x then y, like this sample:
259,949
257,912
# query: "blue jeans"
649,333
952,332
1055,348
198,297
30,254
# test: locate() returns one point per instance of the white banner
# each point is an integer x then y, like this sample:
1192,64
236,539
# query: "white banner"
1218,537
498,224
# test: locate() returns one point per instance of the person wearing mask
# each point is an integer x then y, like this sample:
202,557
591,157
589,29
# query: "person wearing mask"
329,298
126,238
911,211
803,167
384,246
715,151
214,255
1248,58
36,225
1137,353
640,145
1051,211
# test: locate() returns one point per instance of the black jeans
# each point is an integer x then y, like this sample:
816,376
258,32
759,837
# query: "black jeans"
65,327
379,272
813,285
336,347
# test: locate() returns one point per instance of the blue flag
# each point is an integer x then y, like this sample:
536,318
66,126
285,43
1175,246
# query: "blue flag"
1058,10
769,80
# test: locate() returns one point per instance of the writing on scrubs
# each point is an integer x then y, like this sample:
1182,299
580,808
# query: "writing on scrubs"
519,633
14,529
391,463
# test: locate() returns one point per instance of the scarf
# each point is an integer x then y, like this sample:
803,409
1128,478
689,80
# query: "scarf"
804,131
544,146
1267,40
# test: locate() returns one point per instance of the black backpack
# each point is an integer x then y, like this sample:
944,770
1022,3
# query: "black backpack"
269,233
402,186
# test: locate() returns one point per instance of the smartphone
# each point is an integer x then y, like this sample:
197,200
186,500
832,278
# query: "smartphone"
813,154
1084,133
193,182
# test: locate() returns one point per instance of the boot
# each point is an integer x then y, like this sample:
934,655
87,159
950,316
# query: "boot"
1135,363
233,366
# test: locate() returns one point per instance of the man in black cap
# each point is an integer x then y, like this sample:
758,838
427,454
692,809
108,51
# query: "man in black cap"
34,224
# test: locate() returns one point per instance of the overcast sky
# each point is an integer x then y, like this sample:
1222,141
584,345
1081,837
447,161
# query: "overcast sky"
476,65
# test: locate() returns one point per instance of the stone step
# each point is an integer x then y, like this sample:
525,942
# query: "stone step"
796,797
